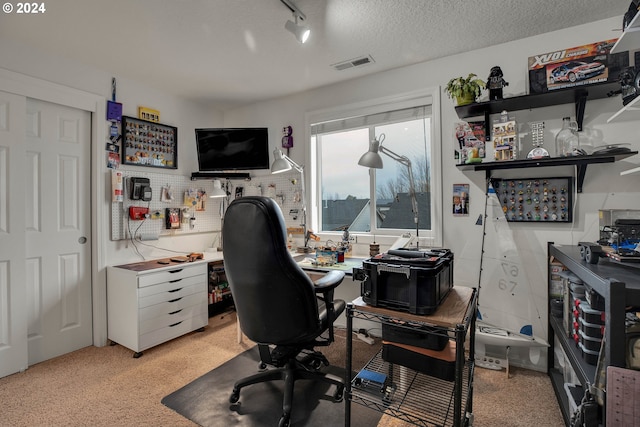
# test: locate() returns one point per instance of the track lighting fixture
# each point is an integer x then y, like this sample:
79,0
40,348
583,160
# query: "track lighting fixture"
300,31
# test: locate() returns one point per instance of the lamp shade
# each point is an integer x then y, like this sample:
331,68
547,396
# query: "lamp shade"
218,191
372,159
280,164
301,32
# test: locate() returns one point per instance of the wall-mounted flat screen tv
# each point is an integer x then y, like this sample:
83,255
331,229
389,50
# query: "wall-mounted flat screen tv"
221,149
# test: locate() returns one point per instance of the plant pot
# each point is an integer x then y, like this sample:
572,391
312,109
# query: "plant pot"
466,98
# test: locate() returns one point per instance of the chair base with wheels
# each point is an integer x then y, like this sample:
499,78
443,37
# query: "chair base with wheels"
289,368
278,306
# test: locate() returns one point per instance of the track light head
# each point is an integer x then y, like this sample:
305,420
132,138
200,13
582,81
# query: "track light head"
301,32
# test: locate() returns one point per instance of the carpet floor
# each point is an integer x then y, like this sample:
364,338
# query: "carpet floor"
205,401
106,386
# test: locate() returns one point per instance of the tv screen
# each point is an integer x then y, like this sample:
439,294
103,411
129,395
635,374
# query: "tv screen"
232,149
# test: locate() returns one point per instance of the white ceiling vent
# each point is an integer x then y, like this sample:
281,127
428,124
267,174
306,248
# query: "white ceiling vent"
356,62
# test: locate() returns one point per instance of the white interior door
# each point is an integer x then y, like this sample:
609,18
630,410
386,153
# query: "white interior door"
57,229
13,324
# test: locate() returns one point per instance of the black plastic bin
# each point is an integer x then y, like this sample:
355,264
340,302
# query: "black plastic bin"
412,284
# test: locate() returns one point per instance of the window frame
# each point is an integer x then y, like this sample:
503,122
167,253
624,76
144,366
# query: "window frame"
428,96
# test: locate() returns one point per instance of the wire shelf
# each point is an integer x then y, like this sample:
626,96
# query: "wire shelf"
411,396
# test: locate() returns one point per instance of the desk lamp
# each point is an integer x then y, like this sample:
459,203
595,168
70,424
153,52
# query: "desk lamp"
372,159
219,193
282,163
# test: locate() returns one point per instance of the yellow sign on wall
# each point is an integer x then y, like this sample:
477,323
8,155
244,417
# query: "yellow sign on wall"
148,114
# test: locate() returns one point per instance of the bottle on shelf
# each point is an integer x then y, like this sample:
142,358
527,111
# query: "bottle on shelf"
567,140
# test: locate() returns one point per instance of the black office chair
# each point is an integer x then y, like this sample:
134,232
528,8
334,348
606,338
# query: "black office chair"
279,307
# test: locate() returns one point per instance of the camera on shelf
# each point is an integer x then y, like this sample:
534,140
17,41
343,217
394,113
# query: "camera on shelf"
631,13
629,84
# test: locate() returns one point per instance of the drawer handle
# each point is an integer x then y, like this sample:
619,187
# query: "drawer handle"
174,281
175,271
175,290
175,312
175,324
174,300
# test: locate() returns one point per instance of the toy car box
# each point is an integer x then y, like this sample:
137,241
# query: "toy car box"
412,281
577,66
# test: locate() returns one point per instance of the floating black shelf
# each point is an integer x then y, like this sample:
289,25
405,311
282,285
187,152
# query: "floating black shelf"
580,162
578,95
227,175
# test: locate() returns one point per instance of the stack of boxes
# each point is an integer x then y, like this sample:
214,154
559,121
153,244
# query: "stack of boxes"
590,333
583,323
431,353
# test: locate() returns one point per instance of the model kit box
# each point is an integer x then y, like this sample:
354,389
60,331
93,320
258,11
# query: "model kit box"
577,66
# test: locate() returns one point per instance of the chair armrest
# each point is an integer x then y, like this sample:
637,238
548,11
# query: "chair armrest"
325,285
329,281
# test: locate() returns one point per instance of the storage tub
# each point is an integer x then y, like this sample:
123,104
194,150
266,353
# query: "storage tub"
439,364
590,315
589,356
592,330
431,338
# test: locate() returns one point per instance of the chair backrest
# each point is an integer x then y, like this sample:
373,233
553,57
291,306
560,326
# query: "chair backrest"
274,298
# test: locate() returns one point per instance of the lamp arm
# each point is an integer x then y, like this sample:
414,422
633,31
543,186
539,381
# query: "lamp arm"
412,193
404,160
293,164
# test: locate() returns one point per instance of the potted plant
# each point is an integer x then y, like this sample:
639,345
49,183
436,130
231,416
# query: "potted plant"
465,90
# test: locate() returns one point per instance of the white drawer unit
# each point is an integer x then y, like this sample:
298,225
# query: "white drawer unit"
152,302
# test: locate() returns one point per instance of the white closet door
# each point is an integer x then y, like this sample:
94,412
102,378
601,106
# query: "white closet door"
13,318
57,229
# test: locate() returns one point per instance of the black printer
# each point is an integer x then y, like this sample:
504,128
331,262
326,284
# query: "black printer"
415,281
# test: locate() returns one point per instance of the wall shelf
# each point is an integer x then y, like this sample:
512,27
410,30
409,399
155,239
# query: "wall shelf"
631,106
227,175
578,95
580,162
630,171
630,38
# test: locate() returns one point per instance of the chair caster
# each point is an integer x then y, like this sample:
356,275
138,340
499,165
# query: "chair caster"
315,364
235,396
284,421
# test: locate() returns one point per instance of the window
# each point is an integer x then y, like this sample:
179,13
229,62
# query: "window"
377,201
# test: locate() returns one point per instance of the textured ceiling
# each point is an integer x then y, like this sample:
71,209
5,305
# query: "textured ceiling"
233,52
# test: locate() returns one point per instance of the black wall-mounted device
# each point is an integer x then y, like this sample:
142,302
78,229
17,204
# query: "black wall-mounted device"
140,189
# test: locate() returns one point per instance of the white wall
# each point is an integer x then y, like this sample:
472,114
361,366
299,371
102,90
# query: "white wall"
174,111
603,188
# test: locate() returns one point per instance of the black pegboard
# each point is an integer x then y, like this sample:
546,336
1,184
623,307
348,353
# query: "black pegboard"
535,199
